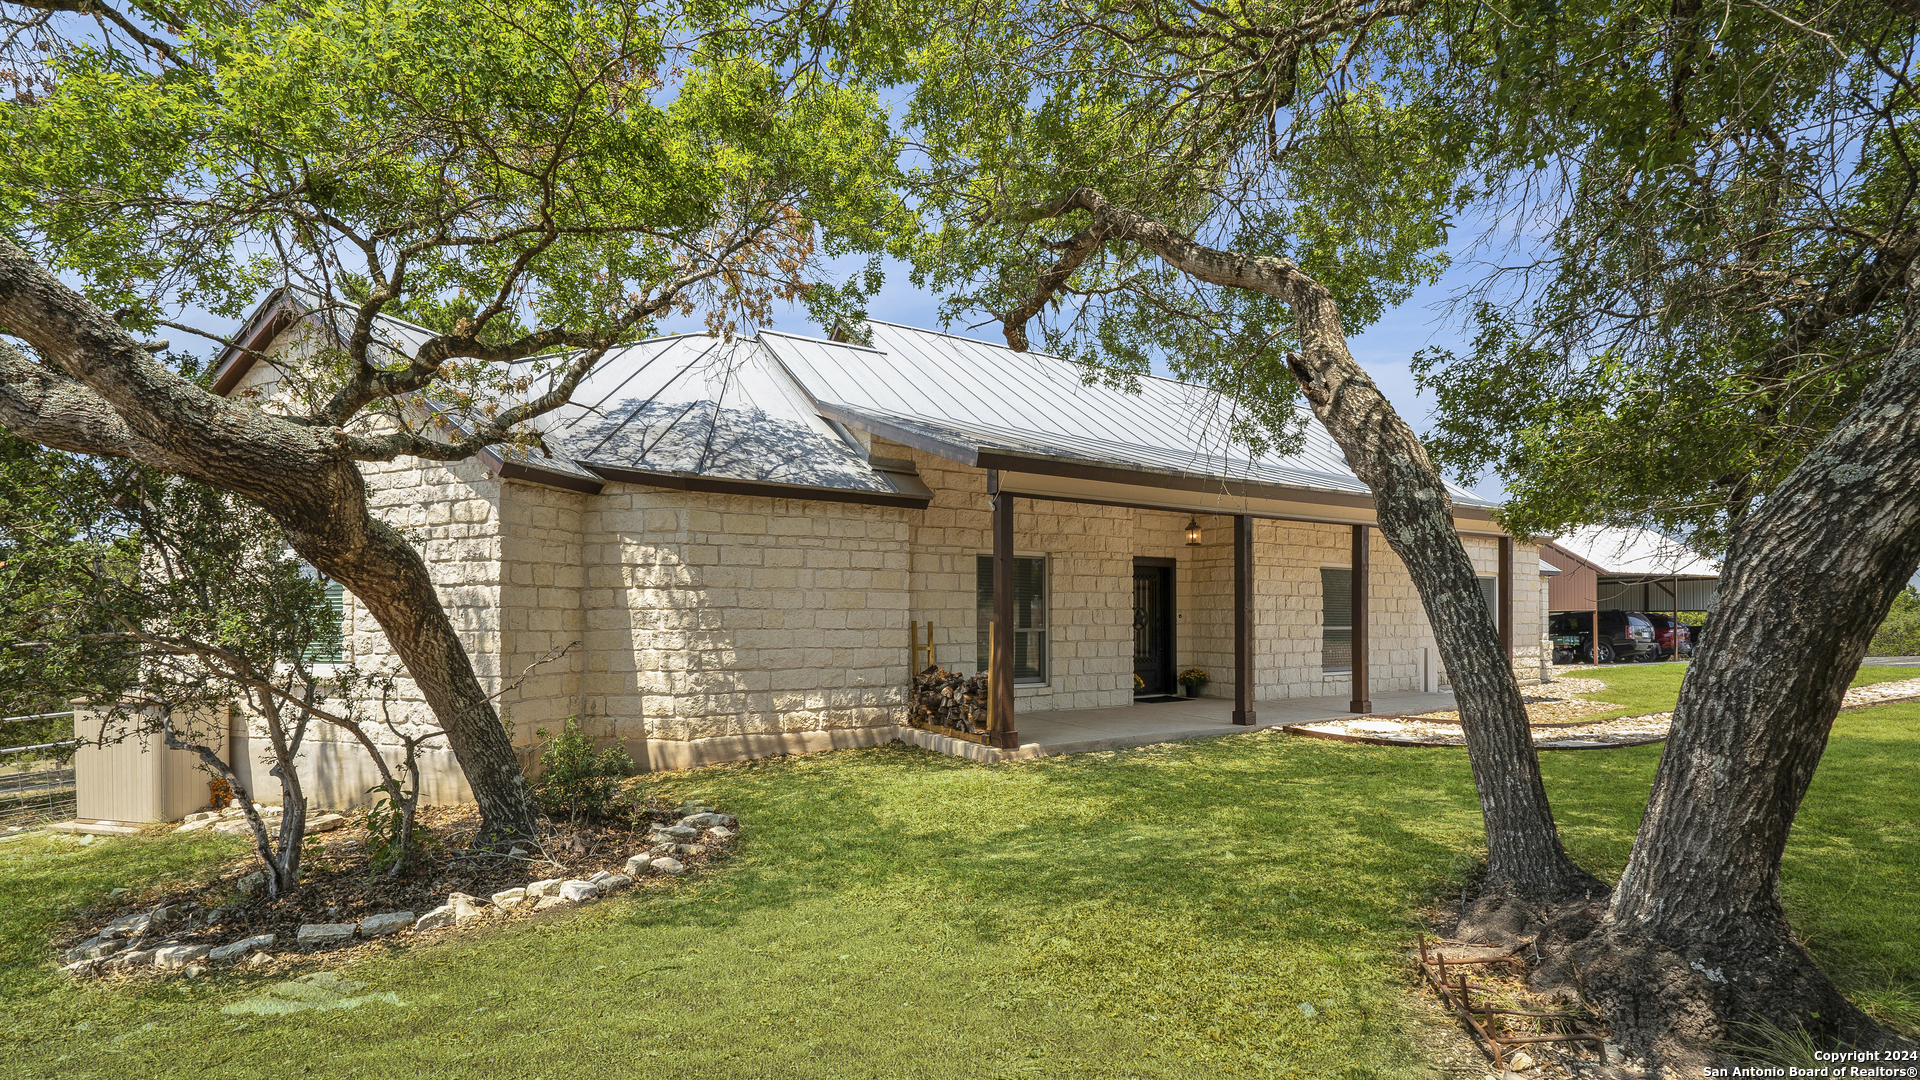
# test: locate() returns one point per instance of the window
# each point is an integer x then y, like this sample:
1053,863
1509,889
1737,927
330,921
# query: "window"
335,653
1490,589
1336,608
1029,617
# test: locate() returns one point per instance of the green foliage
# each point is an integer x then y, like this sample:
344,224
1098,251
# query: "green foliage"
1899,633
576,781
543,166
1726,202
392,841
1016,105
116,577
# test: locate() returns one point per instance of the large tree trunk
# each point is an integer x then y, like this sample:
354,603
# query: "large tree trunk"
110,397
1524,857
1695,939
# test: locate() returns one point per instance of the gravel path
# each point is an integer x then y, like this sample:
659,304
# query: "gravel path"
1555,720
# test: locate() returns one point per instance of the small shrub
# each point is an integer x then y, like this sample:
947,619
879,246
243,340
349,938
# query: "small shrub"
392,840
576,781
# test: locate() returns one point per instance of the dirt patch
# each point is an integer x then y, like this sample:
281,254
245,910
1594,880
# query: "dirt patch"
338,885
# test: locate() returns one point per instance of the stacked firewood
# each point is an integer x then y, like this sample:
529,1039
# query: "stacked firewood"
944,699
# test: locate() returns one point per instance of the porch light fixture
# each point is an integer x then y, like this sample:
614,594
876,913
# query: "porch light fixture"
1193,532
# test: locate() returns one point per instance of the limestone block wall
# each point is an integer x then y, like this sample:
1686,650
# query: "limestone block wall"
1089,552
726,617
453,513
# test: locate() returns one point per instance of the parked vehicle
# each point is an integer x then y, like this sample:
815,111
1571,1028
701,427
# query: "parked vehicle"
1624,635
1664,625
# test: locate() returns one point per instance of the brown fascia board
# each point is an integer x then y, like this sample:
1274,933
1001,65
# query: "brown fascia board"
268,321
981,458
534,474
718,485
989,459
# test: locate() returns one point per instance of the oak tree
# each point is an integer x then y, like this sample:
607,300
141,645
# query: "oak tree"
554,176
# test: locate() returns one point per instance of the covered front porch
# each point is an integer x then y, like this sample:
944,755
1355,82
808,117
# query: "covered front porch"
1015,728
1077,731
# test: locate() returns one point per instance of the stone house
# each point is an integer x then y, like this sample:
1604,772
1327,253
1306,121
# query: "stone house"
754,543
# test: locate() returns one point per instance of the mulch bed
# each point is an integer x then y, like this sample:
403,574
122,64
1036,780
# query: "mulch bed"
337,884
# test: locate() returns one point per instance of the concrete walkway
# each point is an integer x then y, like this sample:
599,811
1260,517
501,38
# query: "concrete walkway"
1891,661
1077,731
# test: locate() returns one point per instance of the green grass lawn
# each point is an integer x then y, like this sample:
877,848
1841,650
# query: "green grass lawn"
1646,688
1159,912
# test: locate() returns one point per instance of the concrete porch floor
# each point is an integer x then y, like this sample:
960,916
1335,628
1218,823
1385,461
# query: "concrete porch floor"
1077,731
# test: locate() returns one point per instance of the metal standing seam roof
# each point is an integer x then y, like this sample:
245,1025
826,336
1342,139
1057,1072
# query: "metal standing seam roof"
1636,553
974,395
752,410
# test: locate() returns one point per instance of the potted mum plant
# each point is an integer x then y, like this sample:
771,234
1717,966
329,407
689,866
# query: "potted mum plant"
1193,679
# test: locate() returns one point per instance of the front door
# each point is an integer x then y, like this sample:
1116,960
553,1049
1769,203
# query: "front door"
1153,625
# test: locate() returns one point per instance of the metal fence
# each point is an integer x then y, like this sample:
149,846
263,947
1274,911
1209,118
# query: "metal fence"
36,782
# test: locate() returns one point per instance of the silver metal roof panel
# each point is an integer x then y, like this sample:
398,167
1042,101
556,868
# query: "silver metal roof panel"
957,395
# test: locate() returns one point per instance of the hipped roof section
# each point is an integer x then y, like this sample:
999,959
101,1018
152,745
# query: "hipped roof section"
769,415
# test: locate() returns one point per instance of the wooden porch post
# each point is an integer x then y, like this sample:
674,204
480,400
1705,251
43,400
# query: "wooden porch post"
1243,620
1362,680
1000,658
1505,614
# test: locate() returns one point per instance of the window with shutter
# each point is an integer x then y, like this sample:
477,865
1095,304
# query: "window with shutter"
1336,634
1029,617
336,652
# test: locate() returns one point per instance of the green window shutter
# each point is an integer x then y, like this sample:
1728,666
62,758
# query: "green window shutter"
334,653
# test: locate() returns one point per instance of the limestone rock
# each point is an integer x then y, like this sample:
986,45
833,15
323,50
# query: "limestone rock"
127,961
576,891
127,926
1520,1061
326,823
669,865
79,968
706,820
204,815
599,875
546,902
194,971
240,948
93,948
255,880
681,833
467,908
545,887
720,832
693,808
438,919
259,959
516,852
321,933
196,826
612,883
638,864
163,915
390,922
174,957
